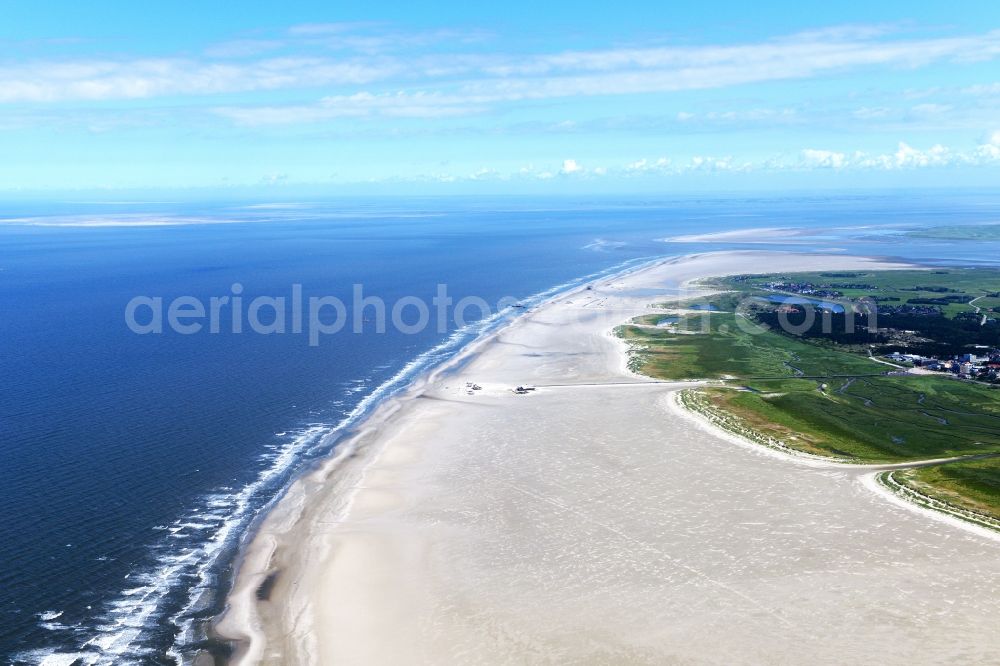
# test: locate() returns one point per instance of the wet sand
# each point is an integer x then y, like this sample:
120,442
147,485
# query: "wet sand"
595,521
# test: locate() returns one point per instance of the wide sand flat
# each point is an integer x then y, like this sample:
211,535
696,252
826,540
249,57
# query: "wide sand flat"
590,522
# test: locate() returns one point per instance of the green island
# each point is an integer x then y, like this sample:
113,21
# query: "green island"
889,367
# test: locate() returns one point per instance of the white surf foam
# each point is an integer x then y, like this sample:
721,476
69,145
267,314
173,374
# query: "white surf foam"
191,549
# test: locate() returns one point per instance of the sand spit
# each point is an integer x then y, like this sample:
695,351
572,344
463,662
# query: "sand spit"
593,521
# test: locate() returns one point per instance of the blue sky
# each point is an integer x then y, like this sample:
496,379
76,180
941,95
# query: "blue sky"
522,97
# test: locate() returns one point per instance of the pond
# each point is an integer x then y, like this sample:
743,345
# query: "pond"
803,300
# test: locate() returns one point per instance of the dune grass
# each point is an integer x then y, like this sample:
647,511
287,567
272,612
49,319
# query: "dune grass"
972,485
715,344
817,398
872,419
826,401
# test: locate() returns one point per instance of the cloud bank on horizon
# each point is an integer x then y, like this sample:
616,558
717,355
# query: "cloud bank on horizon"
383,104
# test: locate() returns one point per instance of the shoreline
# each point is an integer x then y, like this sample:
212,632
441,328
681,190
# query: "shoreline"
876,477
335,526
258,550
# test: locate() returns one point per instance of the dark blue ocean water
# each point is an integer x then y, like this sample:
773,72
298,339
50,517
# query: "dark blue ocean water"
131,465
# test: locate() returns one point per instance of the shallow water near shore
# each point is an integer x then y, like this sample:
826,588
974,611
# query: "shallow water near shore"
134,464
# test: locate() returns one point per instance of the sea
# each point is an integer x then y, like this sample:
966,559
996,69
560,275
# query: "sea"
135,462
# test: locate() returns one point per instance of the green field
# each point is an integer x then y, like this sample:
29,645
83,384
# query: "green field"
900,287
723,343
876,419
821,399
973,485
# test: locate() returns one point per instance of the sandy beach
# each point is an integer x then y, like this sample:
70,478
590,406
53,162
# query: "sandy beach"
594,520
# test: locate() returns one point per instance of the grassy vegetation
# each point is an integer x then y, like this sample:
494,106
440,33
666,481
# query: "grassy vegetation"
988,303
823,400
872,419
901,287
973,485
716,344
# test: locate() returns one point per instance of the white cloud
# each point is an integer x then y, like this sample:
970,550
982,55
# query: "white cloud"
274,178
869,113
570,167
487,78
989,151
932,109
783,115
846,32
99,80
487,174
824,159
328,28
490,81
644,165
399,105
242,48
708,163
794,56
983,89
905,156
908,157
373,37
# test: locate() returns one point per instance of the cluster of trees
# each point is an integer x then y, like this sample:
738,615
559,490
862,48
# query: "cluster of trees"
946,337
844,328
944,300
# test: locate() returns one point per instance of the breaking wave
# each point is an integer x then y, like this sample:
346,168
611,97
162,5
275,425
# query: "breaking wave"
183,587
